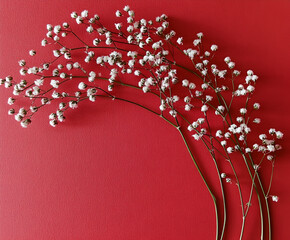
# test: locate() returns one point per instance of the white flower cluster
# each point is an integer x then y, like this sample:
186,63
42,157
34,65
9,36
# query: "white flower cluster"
103,60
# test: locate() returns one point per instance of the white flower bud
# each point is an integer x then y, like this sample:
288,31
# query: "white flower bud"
192,86
275,198
213,48
74,15
82,86
118,13
223,175
32,52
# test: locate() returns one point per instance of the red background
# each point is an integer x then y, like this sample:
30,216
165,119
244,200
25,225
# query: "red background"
114,171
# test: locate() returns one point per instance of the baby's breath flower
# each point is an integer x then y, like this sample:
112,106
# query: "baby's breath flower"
118,13
32,52
180,41
227,59
73,15
219,134
231,65
250,73
11,111
192,86
248,150
256,106
185,83
25,123
11,101
256,167
243,111
275,198
22,63
257,120
53,122
228,180
54,83
230,150
262,136
201,120
272,131
79,20
90,29
279,134
82,86
196,136
204,108
65,25
213,47
49,27
126,8
84,13
118,26
223,175
199,35
270,157
271,148
196,42
187,107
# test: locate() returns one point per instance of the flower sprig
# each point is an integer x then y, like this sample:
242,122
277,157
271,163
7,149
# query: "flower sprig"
213,104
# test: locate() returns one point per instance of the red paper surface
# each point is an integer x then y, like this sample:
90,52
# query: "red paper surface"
114,171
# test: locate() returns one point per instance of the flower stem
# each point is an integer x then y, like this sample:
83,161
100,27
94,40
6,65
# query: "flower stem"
205,182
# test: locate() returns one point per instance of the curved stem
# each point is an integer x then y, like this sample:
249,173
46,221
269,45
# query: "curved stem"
203,178
190,152
245,159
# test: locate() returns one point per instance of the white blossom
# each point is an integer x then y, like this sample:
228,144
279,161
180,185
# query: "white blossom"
257,120
262,136
201,120
187,107
275,198
214,48
227,59
204,108
230,150
256,106
11,101
79,20
73,15
279,134
196,42
126,8
53,122
231,65
32,52
219,134
84,13
196,136
180,41
199,35
271,148
57,29
90,29
25,123
54,83
270,157
118,13
250,73
192,86
250,88
243,111
223,175
82,86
